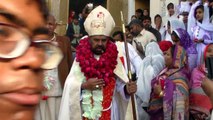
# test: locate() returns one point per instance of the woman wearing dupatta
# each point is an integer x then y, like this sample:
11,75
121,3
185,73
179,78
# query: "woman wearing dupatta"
199,28
182,38
173,24
169,97
200,105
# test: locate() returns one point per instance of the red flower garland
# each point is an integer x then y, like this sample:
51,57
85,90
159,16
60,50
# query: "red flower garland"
91,67
102,68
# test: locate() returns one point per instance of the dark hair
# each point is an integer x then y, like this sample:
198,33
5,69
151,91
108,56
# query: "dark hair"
135,22
198,7
210,1
75,17
139,11
175,34
168,23
43,8
118,33
127,27
170,5
146,10
133,16
173,50
157,16
146,18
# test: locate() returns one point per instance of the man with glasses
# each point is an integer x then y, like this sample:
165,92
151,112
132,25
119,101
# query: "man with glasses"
24,53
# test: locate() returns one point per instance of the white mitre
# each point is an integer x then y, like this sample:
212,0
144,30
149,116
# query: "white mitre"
99,22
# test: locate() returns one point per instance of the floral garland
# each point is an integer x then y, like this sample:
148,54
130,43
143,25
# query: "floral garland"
48,82
93,102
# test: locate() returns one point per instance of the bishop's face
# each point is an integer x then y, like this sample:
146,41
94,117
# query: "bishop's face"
98,44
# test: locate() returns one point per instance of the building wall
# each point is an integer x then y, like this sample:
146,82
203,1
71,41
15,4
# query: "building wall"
115,7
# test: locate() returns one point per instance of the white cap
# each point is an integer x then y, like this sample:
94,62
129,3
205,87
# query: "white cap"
99,22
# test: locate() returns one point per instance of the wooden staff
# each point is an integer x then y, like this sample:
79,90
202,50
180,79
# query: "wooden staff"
128,67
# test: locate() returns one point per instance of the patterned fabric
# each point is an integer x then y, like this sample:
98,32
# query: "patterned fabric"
197,95
174,81
185,41
189,46
179,59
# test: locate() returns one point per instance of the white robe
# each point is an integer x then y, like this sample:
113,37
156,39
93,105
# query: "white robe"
71,100
135,59
151,66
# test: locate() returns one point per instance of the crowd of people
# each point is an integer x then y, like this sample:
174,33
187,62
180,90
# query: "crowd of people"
94,74
168,60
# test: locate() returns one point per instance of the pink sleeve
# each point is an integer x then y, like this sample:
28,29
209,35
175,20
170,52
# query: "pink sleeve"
196,78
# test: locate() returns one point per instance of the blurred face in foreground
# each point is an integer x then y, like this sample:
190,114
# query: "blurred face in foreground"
21,74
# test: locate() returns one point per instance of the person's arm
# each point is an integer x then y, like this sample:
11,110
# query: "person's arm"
125,90
135,59
207,86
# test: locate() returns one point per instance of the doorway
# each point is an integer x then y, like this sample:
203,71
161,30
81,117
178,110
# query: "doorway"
142,4
78,5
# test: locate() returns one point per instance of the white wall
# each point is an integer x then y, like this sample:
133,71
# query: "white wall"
131,9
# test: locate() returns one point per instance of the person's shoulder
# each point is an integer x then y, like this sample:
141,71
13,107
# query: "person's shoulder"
147,32
150,35
59,37
154,31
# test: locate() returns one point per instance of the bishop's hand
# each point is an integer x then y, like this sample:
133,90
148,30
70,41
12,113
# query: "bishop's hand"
131,87
93,84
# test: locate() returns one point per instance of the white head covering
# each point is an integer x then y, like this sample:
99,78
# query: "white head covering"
184,6
151,65
174,24
192,22
99,22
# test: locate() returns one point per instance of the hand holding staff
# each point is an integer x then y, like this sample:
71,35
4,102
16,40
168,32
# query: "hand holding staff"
128,67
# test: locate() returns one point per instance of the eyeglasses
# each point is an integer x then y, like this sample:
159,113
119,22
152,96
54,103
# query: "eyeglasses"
14,43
